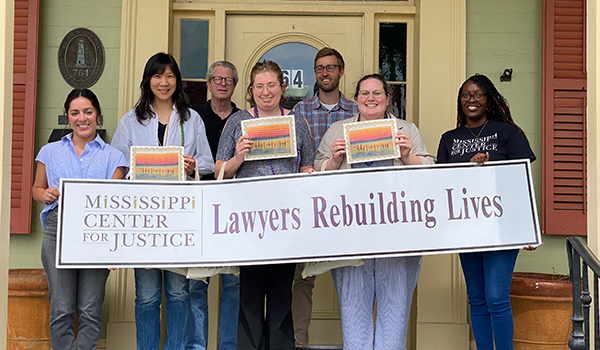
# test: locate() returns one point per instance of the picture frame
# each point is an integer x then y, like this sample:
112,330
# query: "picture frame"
274,137
157,163
371,140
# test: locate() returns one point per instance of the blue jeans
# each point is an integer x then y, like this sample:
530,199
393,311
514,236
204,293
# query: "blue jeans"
148,296
71,290
228,319
488,276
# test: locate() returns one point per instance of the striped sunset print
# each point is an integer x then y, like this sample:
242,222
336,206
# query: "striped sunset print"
371,142
269,139
157,158
157,166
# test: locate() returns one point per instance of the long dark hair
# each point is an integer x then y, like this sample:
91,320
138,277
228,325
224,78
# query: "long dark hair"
157,64
497,106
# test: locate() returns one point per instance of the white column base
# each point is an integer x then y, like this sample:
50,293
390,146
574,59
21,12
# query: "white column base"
447,336
120,336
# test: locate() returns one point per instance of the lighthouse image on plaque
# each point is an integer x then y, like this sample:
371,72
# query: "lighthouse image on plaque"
80,54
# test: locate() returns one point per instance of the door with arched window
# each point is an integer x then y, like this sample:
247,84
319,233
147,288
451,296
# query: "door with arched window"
292,42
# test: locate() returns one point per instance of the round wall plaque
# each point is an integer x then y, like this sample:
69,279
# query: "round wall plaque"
81,58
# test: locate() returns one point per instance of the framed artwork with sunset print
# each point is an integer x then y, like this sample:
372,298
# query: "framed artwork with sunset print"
371,140
157,163
273,137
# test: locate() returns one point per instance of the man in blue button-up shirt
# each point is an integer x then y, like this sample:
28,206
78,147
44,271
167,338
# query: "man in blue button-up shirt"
325,108
328,105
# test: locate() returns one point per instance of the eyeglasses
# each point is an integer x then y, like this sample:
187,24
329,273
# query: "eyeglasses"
478,96
366,94
218,80
260,87
330,68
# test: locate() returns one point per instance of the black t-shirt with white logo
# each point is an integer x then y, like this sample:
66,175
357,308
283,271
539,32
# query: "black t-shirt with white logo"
501,140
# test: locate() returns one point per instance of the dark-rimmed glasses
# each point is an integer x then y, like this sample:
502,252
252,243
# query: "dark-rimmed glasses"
218,80
478,96
330,68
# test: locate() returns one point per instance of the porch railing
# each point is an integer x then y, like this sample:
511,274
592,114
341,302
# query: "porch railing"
581,261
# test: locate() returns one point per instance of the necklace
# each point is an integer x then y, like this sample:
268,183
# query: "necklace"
270,163
256,111
479,133
166,136
182,135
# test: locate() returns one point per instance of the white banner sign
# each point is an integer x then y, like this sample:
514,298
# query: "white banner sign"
336,215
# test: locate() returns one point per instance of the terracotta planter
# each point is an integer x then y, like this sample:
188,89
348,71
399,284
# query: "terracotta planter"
28,310
542,308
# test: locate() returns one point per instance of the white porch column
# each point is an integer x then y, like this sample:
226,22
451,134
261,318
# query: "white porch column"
593,127
441,294
593,130
6,82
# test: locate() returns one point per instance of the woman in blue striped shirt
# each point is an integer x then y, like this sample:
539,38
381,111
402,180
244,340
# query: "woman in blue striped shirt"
80,154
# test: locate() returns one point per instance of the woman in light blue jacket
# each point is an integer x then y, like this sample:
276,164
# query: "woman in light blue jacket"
162,118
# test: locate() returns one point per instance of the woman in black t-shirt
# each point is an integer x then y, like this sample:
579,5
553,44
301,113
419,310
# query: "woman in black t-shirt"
485,131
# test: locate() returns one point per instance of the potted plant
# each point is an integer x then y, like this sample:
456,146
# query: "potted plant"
28,310
542,308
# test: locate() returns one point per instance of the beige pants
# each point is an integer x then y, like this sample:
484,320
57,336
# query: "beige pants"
302,306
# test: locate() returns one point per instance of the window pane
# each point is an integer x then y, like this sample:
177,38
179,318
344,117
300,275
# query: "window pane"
194,92
194,49
296,60
392,51
398,100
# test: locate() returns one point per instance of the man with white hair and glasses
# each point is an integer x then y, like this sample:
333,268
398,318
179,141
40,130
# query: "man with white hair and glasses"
221,79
